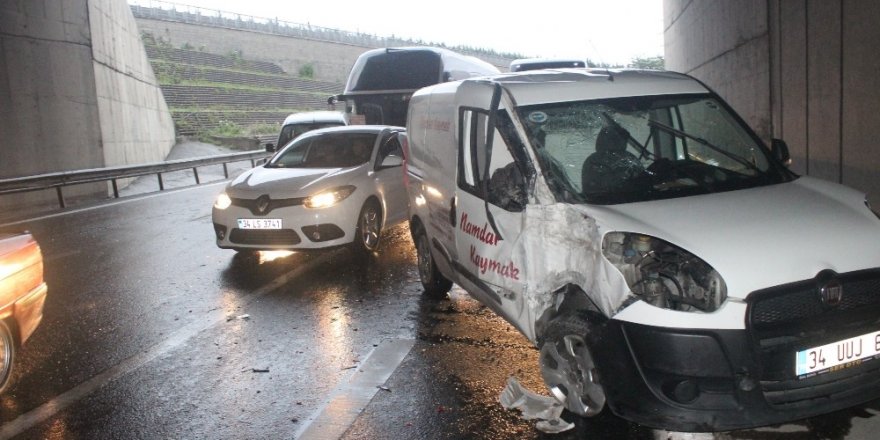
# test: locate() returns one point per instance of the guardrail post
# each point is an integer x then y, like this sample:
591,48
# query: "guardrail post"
225,171
60,196
196,172
115,189
161,183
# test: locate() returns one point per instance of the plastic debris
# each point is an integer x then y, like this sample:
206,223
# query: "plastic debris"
535,406
383,388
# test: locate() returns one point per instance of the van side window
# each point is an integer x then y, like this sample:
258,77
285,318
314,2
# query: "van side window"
506,185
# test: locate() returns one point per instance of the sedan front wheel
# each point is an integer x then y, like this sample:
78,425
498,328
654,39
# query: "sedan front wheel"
369,228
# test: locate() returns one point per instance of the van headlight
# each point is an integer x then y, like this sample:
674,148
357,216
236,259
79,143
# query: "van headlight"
663,274
328,198
223,201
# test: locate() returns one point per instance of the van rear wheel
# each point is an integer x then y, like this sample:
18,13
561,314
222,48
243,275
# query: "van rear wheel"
568,366
435,284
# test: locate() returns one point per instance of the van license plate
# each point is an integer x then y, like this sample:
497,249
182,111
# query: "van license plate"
259,223
838,355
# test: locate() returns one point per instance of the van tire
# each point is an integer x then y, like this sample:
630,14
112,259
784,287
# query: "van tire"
436,285
7,354
569,368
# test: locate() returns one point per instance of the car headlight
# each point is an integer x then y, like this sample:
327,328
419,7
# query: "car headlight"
223,201
663,274
326,199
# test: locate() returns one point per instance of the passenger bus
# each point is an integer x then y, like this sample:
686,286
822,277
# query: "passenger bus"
381,81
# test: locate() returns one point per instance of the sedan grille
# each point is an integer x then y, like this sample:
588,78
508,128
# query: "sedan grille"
264,236
253,204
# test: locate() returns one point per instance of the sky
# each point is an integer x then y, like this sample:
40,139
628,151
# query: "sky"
609,31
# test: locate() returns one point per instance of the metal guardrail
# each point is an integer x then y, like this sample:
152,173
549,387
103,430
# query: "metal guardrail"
66,178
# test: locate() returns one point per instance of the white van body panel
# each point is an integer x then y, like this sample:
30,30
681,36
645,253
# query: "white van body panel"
562,243
564,85
575,268
802,227
314,117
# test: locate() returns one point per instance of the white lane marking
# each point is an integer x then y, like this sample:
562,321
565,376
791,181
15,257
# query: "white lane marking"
176,339
336,415
122,201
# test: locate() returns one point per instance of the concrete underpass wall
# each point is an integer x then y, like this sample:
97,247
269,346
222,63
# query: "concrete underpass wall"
49,117
76,92
136,125
805,71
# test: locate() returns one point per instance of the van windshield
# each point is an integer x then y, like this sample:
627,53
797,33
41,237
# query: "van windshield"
646,148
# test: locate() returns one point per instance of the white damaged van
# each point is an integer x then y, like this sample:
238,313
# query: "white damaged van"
665,262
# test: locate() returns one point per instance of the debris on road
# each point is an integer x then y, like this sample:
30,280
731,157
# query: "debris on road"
534,406
260,370
383,388
244,317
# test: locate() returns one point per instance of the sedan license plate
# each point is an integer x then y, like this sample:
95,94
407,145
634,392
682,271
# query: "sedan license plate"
259,223
838,355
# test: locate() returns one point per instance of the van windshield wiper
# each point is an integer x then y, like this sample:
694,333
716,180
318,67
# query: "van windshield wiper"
706,143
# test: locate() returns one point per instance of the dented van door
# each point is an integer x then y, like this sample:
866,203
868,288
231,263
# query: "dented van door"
490,209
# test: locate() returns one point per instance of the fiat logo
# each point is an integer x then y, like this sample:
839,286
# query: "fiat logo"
831,292
262,204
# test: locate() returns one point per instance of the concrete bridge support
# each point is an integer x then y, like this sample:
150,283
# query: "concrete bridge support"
802,70
76,92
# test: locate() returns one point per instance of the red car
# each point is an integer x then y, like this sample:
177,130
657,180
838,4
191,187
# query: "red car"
22,295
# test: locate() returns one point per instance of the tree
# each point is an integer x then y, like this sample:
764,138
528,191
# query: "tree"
655,63
307,71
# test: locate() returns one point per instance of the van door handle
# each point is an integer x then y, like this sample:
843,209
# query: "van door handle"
452,211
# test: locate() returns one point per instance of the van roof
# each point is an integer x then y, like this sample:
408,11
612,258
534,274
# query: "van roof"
561,85
312,117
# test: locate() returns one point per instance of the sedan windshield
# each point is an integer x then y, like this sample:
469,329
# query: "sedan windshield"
292,131
330,150
646,148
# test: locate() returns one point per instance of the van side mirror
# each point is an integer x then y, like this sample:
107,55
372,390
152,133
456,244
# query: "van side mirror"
779,149
270,148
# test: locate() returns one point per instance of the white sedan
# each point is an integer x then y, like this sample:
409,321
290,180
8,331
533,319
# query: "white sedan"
329,187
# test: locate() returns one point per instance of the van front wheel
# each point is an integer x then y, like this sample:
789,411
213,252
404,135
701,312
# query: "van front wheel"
435,284
568,366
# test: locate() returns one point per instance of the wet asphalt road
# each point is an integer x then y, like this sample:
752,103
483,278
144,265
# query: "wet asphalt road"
150,331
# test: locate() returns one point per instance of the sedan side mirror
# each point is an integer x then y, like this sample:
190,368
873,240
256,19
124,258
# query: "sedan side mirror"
270,148
391,161
780,151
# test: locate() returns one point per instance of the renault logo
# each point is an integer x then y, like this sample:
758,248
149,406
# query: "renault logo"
262,204
831,292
